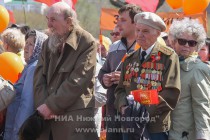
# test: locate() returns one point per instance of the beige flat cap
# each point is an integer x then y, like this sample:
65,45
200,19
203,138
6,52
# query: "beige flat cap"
150,19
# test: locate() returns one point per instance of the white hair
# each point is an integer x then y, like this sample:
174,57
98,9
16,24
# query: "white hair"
189,26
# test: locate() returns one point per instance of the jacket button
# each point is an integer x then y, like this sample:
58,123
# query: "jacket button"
51,88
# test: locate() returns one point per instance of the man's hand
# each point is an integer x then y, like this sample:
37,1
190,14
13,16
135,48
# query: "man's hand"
107,80
45,112
116,77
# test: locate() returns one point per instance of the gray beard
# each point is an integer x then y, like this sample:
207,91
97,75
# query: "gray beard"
55,42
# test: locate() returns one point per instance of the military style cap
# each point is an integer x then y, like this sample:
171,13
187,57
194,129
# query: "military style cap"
150,19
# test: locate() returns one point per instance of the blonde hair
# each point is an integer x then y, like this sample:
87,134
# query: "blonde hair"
14,39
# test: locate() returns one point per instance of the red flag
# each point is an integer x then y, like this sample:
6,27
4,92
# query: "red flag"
11,17
74,3
51,2
70,3
146,5
47,2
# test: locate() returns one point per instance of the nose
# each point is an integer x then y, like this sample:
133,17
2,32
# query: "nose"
139,34
187,45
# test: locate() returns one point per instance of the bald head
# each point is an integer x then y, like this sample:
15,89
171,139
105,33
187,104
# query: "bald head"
62,9
59,8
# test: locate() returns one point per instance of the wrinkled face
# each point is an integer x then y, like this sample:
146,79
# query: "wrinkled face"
56,22
29,47
185,45
204,53
126,27
146,36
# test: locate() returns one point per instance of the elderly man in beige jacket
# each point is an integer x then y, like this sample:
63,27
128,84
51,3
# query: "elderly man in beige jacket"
64,78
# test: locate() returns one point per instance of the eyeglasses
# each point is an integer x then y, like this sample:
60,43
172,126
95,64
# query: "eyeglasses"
191,43
115,33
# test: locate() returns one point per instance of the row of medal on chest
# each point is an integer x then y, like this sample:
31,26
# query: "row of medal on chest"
149,71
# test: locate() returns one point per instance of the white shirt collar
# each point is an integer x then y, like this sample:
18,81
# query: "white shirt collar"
148,51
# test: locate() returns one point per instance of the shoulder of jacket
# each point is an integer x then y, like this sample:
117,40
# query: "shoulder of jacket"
130,54
203,66
165,49
195,64
83,34
114,46
200,70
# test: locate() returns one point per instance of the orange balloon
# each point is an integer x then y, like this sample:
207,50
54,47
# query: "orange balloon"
194,6
175,4
4,18
11,66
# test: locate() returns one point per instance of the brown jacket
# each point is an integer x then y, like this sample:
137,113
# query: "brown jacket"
65,82
168,65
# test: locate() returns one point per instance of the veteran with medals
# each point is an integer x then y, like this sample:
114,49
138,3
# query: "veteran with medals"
152,73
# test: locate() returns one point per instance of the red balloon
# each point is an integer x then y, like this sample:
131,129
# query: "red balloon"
11,66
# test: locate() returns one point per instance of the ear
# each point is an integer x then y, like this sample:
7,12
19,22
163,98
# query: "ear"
158,33
172,40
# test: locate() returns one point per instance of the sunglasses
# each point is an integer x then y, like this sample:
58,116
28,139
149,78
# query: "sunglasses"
114,33
191,43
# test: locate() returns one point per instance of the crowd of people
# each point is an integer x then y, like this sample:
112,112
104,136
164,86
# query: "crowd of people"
72,82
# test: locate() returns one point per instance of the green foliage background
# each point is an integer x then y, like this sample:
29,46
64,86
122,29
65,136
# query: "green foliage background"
88,12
